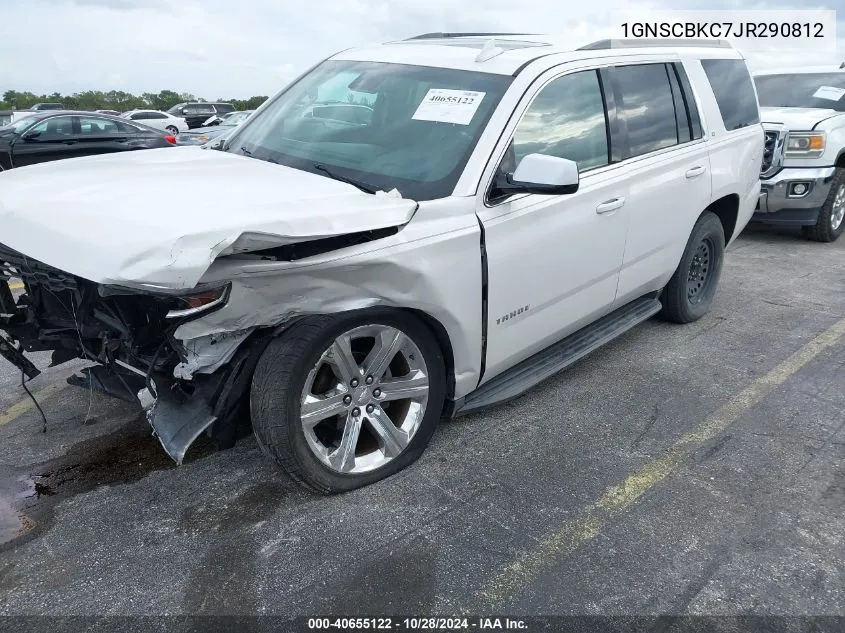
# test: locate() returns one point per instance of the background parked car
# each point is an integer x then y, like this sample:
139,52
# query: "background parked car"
196,114
201,135
54,135
5,117
38,107
157,119
217,119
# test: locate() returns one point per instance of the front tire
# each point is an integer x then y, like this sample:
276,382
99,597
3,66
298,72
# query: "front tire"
832,215
340,402
689,294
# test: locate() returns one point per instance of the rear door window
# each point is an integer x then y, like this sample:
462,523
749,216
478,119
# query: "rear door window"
646,105
731,83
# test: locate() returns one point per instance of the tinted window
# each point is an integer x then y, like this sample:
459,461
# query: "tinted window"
92,126
156,115
224,107
198,109
59,126
96,125
734,92
566,120
139,116
682,123
801,90
646,107
689,100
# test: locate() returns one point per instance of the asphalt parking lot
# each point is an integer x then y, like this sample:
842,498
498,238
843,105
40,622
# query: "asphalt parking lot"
682,469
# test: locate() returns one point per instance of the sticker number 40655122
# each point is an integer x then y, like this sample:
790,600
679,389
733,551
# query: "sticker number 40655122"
449,106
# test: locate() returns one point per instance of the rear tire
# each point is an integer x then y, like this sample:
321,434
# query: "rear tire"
689,294
172,130
331,410
832,214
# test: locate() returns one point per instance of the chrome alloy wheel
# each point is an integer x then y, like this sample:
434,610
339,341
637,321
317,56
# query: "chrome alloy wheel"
365,398
837,213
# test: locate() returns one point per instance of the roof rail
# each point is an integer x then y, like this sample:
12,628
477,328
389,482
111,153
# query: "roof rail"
649,43
442,36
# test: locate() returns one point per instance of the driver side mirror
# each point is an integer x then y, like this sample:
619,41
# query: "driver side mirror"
541,174
31,135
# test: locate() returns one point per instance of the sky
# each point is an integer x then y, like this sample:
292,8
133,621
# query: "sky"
240,48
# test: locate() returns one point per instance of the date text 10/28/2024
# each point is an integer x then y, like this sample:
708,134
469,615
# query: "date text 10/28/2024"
493,624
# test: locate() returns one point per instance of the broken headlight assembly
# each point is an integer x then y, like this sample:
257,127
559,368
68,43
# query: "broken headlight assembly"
198,302
179,304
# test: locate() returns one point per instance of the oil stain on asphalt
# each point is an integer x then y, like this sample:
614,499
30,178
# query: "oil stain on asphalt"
29,495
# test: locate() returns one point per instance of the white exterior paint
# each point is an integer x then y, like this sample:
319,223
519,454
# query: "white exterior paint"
168,120
140,221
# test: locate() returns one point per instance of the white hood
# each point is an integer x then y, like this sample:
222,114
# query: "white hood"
162,216
796,118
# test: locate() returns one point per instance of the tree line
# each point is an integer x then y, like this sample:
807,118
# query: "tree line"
115,100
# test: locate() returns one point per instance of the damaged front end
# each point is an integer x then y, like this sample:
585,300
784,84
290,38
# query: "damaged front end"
186,388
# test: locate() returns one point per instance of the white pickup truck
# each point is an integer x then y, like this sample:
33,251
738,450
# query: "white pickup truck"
803,172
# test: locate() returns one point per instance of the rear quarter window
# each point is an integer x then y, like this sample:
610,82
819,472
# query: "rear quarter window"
734,91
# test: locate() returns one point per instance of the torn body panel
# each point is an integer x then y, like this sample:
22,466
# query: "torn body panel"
405,271
198,368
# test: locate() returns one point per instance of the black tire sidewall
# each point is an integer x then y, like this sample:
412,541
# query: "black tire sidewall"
823,231
707,226
286,434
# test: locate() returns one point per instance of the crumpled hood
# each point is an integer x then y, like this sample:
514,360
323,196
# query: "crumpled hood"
146,217
796,118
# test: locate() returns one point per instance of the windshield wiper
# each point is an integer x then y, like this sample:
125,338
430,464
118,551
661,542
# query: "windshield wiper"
349,181
245,151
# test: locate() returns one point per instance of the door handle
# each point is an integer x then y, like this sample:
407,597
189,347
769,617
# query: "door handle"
695,171
610,205
70,142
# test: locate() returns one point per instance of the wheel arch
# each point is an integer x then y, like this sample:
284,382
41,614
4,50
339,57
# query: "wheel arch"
726,209
445,344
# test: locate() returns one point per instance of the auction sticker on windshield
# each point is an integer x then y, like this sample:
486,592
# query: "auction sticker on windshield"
830,93
449,106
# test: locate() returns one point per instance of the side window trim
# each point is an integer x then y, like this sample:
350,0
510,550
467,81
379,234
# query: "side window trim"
678,104
617,136
693,117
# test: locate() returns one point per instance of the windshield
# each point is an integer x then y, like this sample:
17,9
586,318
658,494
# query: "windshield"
19,125
816,90
386,125
236,118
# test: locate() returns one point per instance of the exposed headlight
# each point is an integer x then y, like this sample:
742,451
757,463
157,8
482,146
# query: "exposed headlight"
805,144
202,138
198,302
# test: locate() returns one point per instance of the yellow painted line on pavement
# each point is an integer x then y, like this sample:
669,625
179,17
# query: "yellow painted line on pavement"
17,285
17,410
516,575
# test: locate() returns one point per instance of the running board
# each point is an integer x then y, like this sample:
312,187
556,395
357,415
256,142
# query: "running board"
559,356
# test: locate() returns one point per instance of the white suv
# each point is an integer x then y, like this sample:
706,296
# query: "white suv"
505,207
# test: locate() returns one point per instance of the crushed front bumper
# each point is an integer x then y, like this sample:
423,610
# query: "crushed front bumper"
779,204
